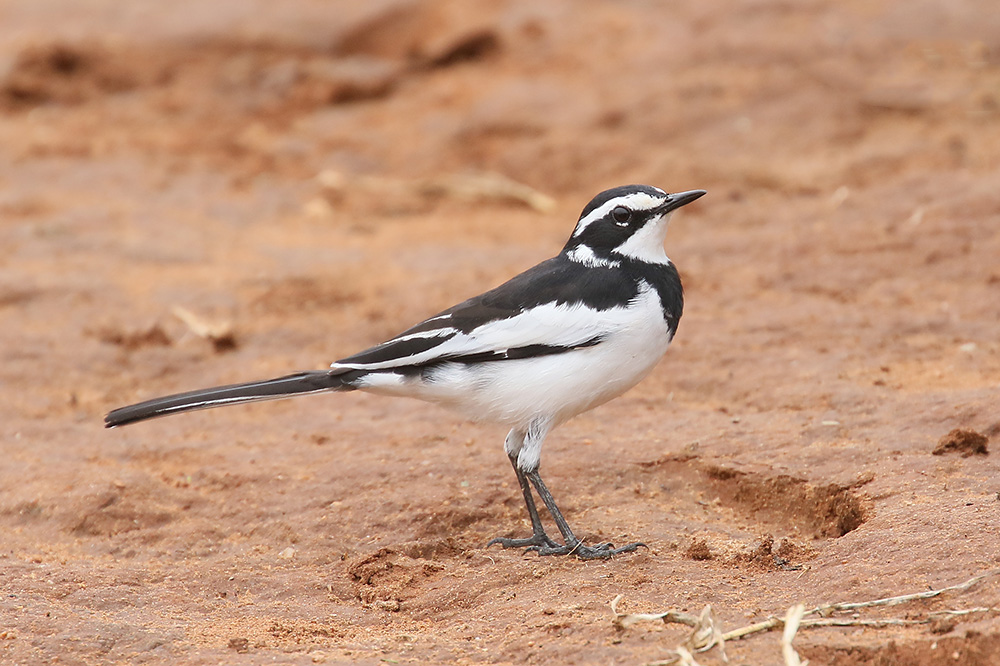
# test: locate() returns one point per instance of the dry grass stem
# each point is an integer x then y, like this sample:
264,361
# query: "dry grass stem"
626,620
487,187
792,619
706,634
827,609
685,657
219,333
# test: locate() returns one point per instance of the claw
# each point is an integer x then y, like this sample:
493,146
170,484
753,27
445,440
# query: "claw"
601,551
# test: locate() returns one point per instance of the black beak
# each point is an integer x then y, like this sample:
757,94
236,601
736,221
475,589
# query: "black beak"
675,201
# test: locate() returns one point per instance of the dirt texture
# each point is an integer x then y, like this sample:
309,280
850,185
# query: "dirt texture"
197,193
966,442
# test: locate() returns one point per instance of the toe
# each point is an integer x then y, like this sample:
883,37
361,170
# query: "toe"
536,541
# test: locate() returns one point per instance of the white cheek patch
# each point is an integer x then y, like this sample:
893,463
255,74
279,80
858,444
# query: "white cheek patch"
646,244
637,201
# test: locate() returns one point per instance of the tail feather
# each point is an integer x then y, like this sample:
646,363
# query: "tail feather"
270,389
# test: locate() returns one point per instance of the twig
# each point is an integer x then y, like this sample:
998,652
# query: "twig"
774,622
861,622
707,635
963,611
679,656
766,625
489,187
686,658
827,609
219,333
792,619
626,620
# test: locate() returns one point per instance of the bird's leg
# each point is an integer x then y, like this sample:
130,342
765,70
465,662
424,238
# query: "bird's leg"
524,448
573,546
538,536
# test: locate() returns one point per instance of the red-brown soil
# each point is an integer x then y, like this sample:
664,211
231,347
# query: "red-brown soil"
279,167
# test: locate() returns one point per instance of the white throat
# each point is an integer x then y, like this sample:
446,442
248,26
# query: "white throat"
646,244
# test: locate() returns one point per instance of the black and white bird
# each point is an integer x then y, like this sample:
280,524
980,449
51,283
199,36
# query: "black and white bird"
557,340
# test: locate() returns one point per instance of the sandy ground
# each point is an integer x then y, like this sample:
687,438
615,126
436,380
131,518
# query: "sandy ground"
300,171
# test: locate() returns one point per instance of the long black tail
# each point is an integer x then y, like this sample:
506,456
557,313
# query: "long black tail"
269,389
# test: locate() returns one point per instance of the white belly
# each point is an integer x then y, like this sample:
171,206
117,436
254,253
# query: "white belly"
556,387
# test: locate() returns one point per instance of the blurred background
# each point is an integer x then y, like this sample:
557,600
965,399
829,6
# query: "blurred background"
194,193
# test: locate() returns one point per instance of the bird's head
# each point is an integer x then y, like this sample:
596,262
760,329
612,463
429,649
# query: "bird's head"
627,222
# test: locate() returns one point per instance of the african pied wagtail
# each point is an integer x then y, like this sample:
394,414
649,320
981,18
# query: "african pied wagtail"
563,337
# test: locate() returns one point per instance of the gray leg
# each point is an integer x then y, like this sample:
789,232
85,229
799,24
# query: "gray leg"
538,536
524,448
573,545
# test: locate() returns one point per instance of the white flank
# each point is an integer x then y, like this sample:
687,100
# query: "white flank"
555,388
635,201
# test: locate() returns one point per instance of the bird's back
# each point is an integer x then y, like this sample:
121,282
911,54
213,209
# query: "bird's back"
551,342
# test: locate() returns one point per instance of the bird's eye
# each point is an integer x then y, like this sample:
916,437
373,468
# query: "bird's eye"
622,215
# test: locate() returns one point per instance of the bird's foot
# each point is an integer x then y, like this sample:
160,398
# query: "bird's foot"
601,551
537,540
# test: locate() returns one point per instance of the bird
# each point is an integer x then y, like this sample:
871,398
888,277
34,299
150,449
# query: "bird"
561,338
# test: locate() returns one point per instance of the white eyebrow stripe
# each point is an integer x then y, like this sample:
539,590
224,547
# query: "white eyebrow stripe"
635,201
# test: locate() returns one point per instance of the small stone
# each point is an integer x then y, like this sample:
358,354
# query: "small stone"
699,550
240,644
966,442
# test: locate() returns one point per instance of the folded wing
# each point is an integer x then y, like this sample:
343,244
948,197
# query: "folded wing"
536,313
